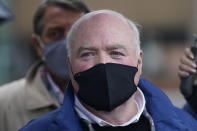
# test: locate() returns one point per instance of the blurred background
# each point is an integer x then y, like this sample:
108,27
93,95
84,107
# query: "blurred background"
166,28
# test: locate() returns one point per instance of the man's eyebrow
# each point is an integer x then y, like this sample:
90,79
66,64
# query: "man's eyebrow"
59,28
117,46
82,48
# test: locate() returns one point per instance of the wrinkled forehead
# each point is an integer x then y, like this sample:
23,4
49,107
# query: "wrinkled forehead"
101,25
102,19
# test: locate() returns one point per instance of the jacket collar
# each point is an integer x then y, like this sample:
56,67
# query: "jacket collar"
36,94
160,108
157,103
66,119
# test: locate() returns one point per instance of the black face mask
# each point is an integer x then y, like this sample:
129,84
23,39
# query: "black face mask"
106,86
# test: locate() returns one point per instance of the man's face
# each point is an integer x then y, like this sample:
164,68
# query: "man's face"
56,24
103,39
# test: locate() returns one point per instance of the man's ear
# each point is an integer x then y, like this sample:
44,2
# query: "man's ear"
36,44
74,83
69,67
139,72
140,63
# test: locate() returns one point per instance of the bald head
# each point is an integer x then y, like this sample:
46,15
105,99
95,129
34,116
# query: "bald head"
103,37
104,25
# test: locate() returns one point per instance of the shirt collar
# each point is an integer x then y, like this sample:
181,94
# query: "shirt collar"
89,117
58,94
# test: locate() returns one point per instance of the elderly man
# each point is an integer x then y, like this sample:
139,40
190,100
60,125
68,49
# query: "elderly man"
105,63
42,90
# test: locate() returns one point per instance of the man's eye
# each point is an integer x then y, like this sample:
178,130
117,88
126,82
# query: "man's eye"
87,54
116,53
56,34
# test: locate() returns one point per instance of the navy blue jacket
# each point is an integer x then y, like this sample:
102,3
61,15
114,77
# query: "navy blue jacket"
166,117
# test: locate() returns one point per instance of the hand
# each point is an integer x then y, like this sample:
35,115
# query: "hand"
187,65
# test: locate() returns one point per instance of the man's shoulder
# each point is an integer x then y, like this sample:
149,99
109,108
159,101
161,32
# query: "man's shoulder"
15,89
20,81
43,123
12,88
187,119
161,109
11,94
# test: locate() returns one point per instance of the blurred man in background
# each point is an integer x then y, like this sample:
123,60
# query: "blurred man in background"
42,90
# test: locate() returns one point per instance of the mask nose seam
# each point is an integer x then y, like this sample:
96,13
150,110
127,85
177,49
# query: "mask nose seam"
106,66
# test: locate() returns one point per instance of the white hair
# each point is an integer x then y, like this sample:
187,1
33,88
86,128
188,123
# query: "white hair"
93,13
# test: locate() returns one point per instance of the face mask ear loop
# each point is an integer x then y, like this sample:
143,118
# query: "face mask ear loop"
137,65
41,45
40,41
